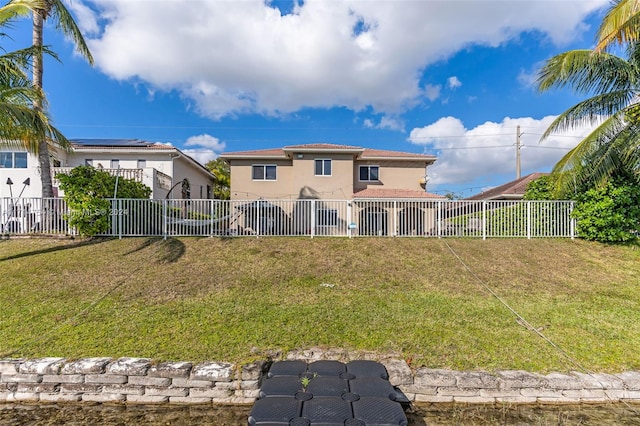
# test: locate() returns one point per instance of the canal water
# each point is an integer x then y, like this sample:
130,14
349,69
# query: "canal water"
417,415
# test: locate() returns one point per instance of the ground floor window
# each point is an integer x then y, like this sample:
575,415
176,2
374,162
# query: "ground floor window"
327,217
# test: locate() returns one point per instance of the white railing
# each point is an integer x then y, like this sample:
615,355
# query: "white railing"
310,218
134,174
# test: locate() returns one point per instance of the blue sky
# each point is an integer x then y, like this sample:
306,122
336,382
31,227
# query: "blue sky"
453,78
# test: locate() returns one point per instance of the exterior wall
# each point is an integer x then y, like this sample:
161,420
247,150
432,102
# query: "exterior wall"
18,176
296,178
393,175
198,179
243,187
337,186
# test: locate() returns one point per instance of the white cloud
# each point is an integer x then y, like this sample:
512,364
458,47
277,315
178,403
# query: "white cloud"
386,122
431,92
229,58
453,82
488,150
206,148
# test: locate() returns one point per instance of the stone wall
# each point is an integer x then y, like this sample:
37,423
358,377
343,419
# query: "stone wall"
141,381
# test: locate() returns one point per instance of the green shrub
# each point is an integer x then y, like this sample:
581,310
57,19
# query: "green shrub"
87,191
610,213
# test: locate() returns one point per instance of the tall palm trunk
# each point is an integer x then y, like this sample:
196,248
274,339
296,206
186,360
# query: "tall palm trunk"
38,68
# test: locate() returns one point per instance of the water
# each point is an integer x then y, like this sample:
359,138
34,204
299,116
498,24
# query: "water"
418,415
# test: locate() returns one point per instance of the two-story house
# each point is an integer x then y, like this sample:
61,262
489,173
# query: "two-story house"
326,172
160,167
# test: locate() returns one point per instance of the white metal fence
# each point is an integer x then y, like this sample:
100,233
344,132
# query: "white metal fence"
311,218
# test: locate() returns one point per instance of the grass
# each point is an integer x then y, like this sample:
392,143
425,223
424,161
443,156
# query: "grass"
240,299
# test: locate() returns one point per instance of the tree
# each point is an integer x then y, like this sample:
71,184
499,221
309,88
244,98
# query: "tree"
222,178
87,191
43,10
22,126
613,107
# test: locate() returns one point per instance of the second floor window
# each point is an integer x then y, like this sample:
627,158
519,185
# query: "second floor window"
115,164
263,172
13,160
323,167
142,164
369,173
88,162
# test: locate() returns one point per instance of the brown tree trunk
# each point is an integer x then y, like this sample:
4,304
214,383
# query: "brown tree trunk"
38,67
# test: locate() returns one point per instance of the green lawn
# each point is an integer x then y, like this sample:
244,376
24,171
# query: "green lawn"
242,299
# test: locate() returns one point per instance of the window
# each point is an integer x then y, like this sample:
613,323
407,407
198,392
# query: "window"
88,162
327,217
323,167
369,173
20,160
13,160
142,164
263,172
115,164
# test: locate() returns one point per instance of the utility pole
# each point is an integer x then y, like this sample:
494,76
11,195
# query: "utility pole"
518,134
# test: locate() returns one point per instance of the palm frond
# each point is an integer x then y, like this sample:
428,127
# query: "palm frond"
586,72
19,8
620,25
598,156
65,22
590,112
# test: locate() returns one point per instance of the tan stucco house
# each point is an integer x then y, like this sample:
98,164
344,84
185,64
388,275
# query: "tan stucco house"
328,189
327,171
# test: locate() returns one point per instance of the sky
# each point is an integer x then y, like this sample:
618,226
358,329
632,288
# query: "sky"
451,78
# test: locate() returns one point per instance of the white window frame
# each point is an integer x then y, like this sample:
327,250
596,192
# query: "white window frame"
141,164
12,157
330,216
369,167
264,172
114,164
324,171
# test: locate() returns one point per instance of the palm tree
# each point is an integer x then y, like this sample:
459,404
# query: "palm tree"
21,126
222,180
613,83
65,23
621,25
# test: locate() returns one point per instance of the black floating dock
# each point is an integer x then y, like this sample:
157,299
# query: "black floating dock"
328,393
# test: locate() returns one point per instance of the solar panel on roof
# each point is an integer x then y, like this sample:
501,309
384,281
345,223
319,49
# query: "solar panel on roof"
111,142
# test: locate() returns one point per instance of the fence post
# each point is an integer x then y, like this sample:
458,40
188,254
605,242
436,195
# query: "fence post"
119,213
572,220
439,219
313,218
164,219
528,220
484,220
349,221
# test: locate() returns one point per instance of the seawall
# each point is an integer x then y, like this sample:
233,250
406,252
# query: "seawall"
142,381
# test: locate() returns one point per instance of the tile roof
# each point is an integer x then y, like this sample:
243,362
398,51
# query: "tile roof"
510,190
394,193
381,153
365,153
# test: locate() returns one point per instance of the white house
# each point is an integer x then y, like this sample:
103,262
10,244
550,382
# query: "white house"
160,167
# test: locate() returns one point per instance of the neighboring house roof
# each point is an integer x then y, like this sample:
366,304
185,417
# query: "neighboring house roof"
513,190
393,193
132,146
359,152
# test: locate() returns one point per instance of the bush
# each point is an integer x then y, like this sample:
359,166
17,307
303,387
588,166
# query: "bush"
87,191
610,213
